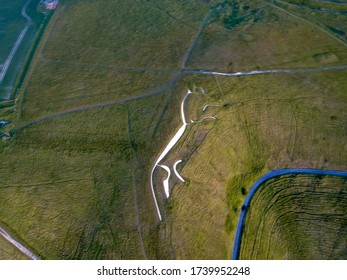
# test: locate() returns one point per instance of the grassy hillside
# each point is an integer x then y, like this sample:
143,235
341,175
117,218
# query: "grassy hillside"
79,183
327,15
82,193
274,121
249,35
297,217
101,100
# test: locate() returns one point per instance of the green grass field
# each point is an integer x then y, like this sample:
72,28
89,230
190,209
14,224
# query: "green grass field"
328,15
95,112
265,128
87,226
7,251
248,35
92,197
297,217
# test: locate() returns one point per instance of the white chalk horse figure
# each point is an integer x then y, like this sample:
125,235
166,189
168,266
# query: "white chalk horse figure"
171,144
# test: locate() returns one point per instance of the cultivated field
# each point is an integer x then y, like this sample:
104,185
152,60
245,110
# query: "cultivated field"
297,217
101,99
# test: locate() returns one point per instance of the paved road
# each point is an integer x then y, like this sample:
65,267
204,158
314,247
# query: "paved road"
18,42
258,184
18,245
